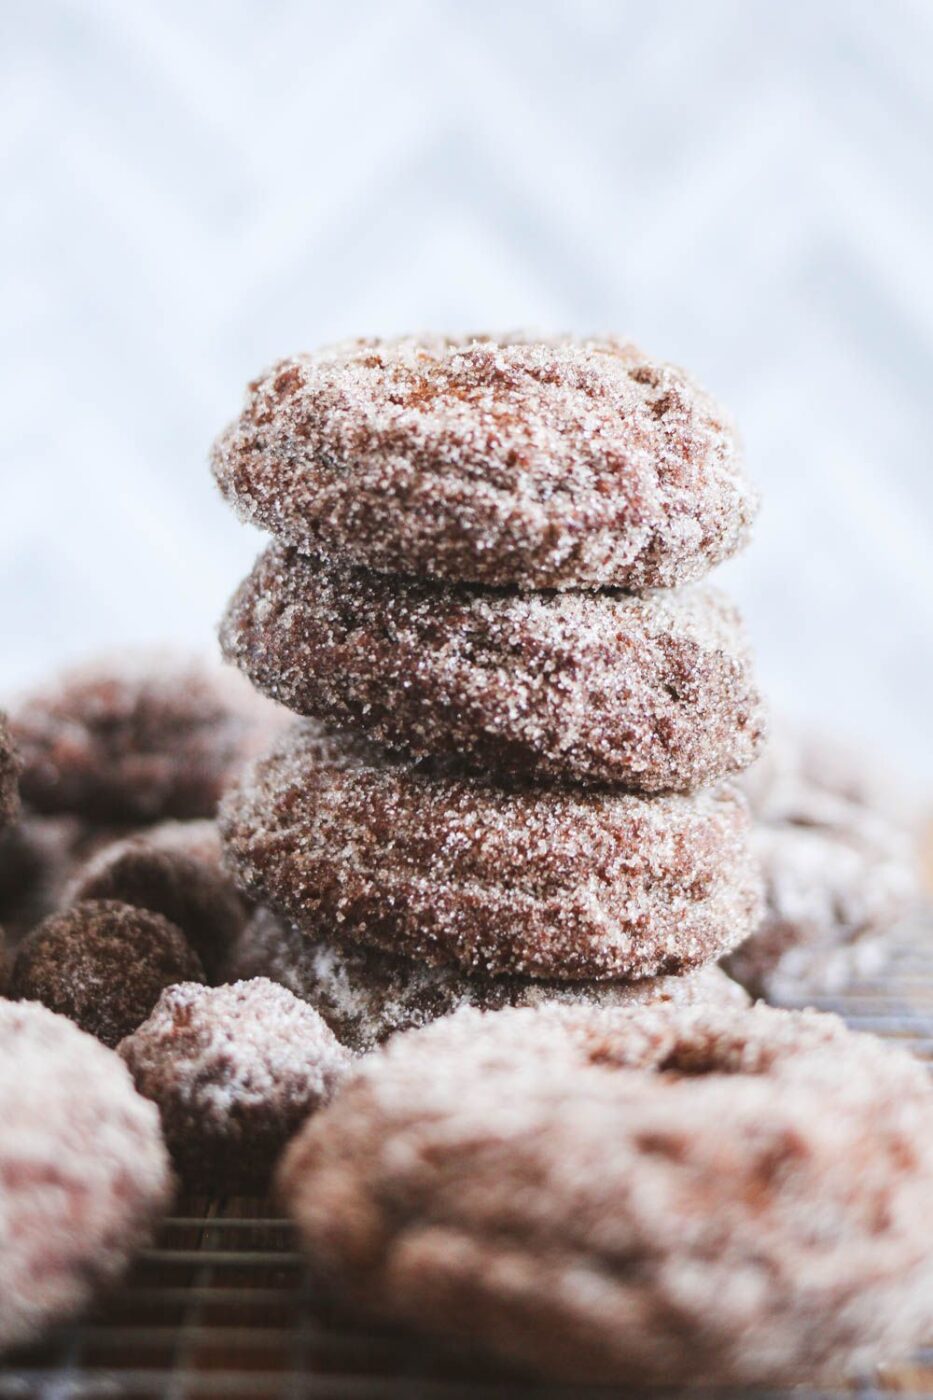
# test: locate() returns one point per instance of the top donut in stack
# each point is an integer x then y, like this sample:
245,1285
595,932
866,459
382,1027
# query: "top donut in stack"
480,558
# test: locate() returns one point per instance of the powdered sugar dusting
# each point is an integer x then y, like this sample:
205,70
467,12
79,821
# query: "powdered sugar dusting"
839,873
235,1070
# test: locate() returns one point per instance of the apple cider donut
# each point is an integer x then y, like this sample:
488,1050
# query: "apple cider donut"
558,463
652,694
137,738
424,861
84,1173
365,995
665,1195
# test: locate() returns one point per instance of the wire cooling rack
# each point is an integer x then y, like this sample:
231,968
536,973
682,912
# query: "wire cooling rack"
223,1304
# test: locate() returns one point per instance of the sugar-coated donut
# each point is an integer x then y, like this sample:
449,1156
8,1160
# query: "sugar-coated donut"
137,738
235,1071
661,1195
652,694
544,463
545,882
173,869
83,1169
365,995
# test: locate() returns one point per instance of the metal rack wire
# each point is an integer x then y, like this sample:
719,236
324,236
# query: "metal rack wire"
223,1305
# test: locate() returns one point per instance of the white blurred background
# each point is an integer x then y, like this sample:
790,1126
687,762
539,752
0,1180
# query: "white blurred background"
191,190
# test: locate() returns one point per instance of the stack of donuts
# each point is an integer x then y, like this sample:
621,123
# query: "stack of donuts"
521,707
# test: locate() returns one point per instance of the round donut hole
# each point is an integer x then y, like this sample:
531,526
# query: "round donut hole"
687,1058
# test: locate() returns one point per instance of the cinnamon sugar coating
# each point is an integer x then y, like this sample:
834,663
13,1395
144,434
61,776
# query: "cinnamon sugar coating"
541,463
235,1071
356,846
176,870
662,1195
138,738
834,890
9,775
103,965
840,873
365,995
652,694
84,1173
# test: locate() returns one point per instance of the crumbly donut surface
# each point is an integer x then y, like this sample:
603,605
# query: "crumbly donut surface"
544,882
83,1169
366,995
235,1071
649,693
174,869
655,1195
137,738
542,463
103,964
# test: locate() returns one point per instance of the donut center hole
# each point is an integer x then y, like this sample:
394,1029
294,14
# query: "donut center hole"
683,1061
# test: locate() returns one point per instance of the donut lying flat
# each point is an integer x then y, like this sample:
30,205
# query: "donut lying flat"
83,1169
137,739
652,694
352,845
663,1195
546,464
365,995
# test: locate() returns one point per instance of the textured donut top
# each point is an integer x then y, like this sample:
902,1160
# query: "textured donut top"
137,737
65,1096
554,462
224,1049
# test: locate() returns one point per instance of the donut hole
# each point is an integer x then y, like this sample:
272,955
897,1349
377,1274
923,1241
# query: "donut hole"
682,1059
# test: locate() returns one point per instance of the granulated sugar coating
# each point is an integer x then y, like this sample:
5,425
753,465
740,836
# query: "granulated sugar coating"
103,965
546,464
652,694
136,739
83,1169
839,872
235,1071
9,776
647,1196
355,846
833,890
365,995
174,869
